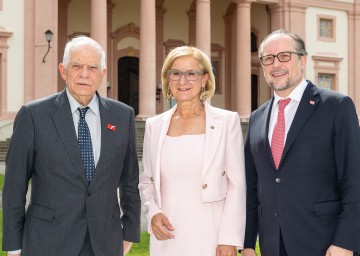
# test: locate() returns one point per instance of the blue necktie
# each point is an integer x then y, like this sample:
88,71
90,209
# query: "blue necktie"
85,145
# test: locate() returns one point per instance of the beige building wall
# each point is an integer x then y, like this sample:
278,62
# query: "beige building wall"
218,8
124,12
261,26
12,20
79,8
336,49
176,25
26,42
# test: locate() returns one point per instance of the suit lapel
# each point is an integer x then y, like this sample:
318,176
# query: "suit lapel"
213,131
306,107
107,138
265,130
65,126
164,127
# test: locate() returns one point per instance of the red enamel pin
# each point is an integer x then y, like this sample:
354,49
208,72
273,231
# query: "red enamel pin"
111,127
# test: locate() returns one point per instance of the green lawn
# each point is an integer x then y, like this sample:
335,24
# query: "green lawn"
140,249
1,181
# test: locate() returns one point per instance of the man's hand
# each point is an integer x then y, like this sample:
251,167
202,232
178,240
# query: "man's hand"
338,251
160,226
248,252
225,250
127,246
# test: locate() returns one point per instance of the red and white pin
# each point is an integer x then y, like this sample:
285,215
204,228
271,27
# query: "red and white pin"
111,127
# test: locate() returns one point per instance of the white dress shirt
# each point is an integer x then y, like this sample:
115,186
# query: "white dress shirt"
289,111
93,121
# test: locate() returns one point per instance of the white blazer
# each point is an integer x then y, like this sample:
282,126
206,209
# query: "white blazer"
223,174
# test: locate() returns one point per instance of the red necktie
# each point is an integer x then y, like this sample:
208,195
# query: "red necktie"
277,140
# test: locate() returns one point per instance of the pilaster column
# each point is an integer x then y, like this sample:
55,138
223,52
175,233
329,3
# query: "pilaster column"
228,19
62,36
160,12
354,55
289,16
110,51
203,26
99,32
147,76
243,58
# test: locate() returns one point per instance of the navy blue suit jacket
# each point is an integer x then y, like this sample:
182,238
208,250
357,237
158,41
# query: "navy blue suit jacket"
314,196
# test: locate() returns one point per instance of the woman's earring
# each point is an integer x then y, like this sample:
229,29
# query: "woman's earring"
168,93
203,94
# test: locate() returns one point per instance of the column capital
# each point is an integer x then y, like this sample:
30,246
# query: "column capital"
300,6
355,12
243,1
291,5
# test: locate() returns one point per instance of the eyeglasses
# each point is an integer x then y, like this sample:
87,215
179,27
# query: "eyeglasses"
190,75
281,56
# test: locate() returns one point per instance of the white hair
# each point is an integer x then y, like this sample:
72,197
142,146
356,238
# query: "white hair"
83,41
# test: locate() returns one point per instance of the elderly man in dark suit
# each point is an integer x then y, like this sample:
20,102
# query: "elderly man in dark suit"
302,158
79,151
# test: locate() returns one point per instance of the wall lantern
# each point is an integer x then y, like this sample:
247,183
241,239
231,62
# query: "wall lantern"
158,92
48,35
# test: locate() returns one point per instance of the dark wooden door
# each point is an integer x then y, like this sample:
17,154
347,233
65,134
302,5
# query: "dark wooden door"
128,82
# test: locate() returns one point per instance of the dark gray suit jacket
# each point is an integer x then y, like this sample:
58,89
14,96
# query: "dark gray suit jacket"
62,207
314,196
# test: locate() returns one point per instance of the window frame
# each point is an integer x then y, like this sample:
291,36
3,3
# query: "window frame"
332,81
332,19
327,65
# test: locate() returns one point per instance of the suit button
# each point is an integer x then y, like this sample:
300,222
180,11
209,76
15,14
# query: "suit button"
204,186
88,194
152,179
223,173
277,180
276,214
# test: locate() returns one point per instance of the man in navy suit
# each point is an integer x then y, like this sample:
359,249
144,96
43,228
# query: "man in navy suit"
73,210
302,162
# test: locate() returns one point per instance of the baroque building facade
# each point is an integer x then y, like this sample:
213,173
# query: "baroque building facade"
137,35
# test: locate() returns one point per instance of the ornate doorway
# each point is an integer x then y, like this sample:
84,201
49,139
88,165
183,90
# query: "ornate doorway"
128,82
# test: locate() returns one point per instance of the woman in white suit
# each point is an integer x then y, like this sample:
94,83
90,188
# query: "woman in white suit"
193,184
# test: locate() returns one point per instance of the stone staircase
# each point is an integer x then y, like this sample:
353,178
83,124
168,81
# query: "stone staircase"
140,130
4,145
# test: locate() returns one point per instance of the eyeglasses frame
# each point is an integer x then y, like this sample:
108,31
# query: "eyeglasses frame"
183,73
276,56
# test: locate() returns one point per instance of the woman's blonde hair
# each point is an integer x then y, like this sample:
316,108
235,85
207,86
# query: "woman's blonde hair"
205,65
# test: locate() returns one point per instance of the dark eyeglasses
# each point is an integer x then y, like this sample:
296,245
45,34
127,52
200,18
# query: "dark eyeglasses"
190,75
281,56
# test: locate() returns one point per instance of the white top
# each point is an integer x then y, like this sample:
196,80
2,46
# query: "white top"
196,224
